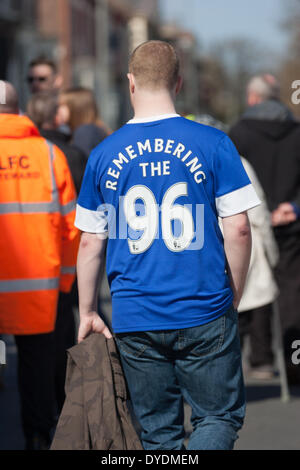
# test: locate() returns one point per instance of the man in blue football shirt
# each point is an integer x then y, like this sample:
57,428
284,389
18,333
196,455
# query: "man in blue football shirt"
151,197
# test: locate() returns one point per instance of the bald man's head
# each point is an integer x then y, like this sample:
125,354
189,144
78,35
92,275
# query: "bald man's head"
9,103
261,88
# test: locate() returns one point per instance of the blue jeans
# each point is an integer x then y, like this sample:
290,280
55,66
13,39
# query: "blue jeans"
201,365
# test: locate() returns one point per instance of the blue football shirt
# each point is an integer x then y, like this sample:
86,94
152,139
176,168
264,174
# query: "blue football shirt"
156,188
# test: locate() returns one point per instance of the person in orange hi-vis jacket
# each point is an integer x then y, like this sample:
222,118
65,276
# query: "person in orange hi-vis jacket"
38,250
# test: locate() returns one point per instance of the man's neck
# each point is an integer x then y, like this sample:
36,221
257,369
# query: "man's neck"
153,104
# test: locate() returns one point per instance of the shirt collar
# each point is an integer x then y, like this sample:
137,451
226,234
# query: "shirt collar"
152,118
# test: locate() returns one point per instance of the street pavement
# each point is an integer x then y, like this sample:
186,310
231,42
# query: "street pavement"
270,424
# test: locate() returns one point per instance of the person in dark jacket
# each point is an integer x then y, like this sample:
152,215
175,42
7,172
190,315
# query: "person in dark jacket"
81,114
42,109
269,137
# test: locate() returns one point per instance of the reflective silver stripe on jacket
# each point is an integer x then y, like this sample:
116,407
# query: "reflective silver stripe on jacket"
28,207
68,270
27,285
40,207
67,208
54,191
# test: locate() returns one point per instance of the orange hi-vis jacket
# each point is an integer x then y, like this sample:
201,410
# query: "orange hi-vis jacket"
38,239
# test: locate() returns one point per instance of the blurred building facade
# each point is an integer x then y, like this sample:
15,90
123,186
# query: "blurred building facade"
186,46
91,41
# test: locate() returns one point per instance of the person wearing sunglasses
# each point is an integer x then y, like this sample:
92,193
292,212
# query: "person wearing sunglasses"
43,75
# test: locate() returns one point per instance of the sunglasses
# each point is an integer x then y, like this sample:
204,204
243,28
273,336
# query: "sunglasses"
36,79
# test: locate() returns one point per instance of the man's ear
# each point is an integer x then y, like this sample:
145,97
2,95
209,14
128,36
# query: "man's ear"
249,99
178,85
58,82
131,82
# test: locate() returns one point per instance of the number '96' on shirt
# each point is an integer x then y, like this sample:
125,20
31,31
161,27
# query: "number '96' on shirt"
156,188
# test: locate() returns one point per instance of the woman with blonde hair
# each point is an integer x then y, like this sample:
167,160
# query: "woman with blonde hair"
78,109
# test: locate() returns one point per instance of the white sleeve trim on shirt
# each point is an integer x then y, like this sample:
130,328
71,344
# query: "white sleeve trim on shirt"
237,201
90,221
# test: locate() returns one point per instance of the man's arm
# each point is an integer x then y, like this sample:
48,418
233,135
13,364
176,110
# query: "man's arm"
237,245
89,264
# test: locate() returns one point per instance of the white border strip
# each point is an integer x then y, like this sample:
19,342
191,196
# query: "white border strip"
90,221
152,118
237,201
